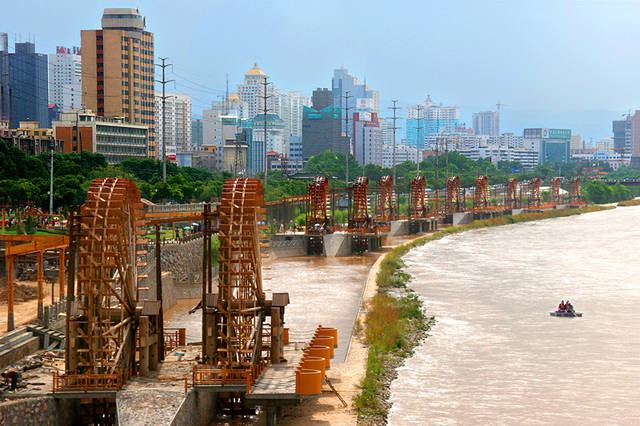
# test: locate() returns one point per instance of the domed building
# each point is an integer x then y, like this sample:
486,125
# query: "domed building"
251,91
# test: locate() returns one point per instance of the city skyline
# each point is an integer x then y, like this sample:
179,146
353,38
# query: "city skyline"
541,61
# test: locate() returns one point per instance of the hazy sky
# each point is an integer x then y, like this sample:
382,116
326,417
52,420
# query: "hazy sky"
552,63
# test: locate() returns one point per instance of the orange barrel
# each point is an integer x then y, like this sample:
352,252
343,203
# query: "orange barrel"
313,363
324,341
325,361
321,351
308,381
285,335
327,331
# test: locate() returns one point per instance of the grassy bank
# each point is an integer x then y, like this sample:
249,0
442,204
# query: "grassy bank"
396,322
629,203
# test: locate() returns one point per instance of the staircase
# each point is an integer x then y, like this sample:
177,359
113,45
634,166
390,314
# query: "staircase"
16,344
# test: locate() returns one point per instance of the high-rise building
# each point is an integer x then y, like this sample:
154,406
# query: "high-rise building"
177,118
575,143
288,106
386,128
251,92
321,98
322,131
622,136
65,78
552,145
118,70
432,120
276,140
196,134
486,123
635,140
212,124
367,138
23,84
359,95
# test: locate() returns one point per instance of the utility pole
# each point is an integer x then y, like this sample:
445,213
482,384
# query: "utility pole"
364,150
394,128
226,98
346,110
446,147
265,110
164,121
52,145
437,155
418,140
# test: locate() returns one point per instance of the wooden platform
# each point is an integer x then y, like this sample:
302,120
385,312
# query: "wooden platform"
277,384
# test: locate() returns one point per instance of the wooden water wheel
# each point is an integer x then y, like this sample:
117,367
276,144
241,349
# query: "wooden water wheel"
103,331
240,301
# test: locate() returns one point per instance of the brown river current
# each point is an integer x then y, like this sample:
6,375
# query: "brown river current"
495,356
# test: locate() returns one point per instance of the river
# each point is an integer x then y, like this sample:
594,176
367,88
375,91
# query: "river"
322,290
495,356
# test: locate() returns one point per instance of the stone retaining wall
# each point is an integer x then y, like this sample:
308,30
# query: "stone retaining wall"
30,411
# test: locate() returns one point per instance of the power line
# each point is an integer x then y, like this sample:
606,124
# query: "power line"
164,125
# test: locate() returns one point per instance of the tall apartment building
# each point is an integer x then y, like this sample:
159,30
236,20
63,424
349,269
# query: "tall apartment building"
177,119
367,138
321,98
196,134
432,120
635,140
118,70
65,79
288,106
321,131
252,90
622,136
386,128
212,124
359,94
23,84
486,123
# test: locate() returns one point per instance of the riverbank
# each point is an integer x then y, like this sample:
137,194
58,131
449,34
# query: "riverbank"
395,321
629,203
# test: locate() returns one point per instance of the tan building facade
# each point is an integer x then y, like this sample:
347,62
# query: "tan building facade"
118,70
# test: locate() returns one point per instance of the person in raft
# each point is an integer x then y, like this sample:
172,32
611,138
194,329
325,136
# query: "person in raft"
569,307
562,307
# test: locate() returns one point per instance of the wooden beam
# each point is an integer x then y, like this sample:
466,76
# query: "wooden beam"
40,292
61,271
9,263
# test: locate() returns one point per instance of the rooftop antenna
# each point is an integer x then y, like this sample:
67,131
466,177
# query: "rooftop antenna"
226,98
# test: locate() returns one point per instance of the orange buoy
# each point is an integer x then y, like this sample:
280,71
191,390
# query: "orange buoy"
285,335
308,381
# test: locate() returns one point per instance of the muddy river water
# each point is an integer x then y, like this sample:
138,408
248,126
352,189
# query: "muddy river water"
322,290
495,356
